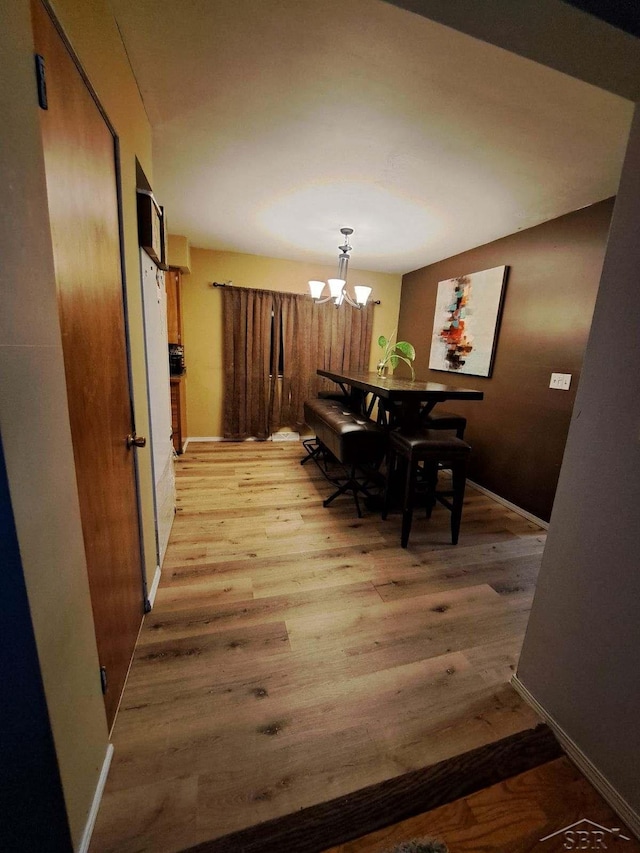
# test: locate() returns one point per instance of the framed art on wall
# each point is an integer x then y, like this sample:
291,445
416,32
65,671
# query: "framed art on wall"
465,323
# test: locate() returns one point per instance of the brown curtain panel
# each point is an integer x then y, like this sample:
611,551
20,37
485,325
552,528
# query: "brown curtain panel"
259,325
319,336
249,387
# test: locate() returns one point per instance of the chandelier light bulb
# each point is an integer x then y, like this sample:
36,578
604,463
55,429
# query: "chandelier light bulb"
316,288
337,289
362,293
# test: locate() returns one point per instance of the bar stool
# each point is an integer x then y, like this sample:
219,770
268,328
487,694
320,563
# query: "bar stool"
439,419
434,451
436,419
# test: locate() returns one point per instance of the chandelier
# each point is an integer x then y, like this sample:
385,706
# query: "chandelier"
337,290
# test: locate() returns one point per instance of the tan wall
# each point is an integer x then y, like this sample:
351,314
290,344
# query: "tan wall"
203,317
33,409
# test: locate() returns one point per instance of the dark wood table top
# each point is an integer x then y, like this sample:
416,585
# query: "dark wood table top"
392,388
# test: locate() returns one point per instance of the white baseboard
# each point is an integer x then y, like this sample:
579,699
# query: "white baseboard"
285,436
523,512
95,805
154,585
584,764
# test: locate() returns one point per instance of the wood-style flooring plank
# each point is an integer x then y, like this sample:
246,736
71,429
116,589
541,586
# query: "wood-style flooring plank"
311,830
296,653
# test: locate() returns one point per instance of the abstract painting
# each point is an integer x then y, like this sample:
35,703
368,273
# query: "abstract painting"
466,322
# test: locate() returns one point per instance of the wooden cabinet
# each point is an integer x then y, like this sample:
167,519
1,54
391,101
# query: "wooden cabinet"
173,282
178,412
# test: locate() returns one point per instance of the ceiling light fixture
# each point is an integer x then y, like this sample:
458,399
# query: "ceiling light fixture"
337,290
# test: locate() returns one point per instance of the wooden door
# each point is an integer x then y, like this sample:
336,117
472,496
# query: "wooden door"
178,413
79,151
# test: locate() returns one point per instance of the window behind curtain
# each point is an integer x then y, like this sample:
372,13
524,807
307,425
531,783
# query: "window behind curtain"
274,343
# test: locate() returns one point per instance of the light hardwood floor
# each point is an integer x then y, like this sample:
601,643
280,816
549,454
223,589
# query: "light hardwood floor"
297,653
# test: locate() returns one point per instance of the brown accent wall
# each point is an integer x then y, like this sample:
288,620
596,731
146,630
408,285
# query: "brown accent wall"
518,432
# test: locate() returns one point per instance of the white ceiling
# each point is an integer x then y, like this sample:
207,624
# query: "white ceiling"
276,122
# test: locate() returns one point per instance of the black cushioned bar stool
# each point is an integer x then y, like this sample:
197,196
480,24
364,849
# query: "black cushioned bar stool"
437,419
433,450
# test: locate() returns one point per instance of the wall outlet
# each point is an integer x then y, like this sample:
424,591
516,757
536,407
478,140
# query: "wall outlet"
561,381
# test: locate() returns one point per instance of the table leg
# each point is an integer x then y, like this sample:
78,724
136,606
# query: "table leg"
409,418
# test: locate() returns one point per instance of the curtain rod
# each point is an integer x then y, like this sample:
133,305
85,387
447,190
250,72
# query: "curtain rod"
231,284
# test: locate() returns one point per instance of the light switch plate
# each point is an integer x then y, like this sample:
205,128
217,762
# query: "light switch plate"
561,381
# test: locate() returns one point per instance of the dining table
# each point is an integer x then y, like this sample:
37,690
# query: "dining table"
401,402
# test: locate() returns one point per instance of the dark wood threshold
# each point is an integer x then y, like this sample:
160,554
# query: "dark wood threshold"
319,827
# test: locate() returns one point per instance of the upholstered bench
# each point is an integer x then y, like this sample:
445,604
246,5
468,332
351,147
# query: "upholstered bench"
351,439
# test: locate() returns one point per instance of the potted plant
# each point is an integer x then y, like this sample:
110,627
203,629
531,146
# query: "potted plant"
394,353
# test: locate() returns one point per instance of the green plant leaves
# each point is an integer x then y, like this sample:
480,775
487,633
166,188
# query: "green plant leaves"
406,349
393,354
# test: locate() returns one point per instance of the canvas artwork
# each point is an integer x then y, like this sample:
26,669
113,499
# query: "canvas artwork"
466,322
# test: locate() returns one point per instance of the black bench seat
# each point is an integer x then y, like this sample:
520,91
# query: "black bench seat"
351,439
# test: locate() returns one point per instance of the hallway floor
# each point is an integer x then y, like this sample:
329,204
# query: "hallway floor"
296,653
520,815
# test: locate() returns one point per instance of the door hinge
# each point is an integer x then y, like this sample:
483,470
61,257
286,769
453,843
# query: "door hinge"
41,82
103,679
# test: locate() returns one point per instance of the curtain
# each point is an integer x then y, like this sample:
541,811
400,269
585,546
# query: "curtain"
260,326
248,357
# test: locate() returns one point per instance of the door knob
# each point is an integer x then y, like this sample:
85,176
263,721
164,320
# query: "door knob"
138,440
